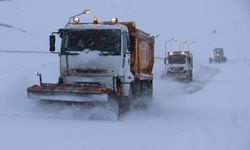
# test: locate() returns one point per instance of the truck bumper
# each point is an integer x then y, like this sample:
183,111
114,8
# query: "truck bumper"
177,74
69,92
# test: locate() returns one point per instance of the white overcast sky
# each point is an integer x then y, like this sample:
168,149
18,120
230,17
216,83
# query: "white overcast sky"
183,19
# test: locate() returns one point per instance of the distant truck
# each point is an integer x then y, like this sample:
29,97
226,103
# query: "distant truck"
218,56
101,62
180,64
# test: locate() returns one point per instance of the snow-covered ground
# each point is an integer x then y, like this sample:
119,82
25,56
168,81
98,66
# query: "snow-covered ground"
212,112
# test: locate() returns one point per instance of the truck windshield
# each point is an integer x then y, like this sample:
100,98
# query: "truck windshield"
106,41
177,59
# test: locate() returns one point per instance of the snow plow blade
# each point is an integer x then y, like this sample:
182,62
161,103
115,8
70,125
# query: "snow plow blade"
69,92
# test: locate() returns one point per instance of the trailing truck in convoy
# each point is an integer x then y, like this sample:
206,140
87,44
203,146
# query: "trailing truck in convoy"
218,56
101,62
180,64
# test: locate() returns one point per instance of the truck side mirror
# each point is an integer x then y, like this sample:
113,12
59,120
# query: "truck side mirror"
52,41
165,60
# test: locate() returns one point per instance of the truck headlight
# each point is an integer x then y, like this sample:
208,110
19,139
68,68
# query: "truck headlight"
95,20
76,20
114,20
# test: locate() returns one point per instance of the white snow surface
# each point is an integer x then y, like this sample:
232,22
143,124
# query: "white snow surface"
212,112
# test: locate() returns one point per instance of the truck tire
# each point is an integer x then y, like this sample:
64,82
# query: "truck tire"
149,85
124,104
219,61
126,101
190,76
224,59
148,96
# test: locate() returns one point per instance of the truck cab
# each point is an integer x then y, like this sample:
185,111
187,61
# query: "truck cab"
217,56
180,64
95,53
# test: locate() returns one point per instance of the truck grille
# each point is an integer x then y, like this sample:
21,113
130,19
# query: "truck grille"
177,68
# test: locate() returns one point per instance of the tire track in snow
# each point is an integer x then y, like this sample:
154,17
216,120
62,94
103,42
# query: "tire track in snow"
204,133
202,76
172,87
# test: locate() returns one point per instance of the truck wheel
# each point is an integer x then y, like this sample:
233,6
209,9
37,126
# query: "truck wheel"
148,96
219,61
224,59
149,89
190,76
124,104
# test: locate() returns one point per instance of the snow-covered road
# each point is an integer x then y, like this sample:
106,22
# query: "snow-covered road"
212,112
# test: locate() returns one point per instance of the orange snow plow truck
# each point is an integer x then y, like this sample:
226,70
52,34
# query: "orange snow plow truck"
101,63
